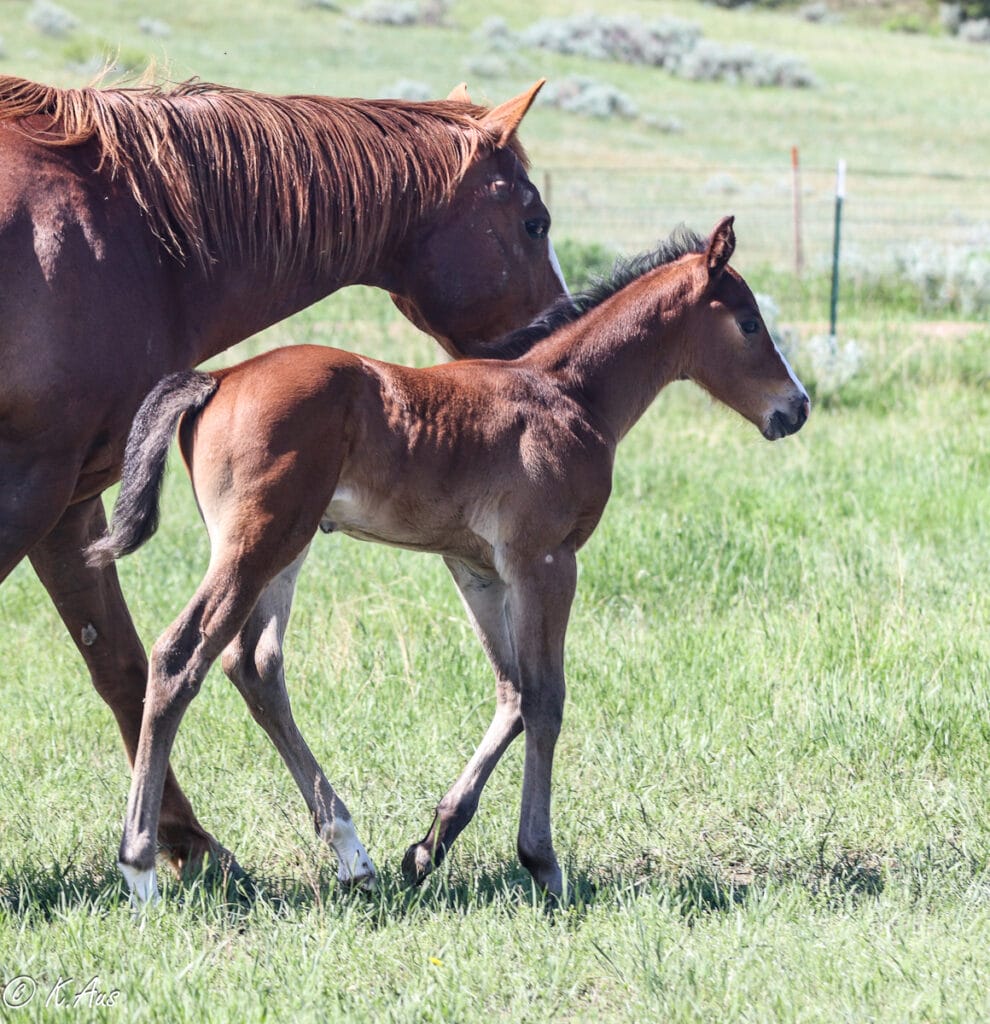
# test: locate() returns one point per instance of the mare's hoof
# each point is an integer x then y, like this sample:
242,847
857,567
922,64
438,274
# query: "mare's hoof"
214,868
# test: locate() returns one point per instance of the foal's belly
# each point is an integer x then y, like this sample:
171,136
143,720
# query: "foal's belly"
415,526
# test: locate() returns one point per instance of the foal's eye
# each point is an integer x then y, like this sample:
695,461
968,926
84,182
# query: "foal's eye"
499,188
539,227
750,326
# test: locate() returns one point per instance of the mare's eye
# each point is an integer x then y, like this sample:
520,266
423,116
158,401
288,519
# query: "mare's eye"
499,188
539,227
749,326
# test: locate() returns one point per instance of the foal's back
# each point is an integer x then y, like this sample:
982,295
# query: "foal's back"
457,458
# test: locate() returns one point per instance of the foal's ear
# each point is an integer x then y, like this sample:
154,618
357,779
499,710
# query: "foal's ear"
459,94
503,120
721,246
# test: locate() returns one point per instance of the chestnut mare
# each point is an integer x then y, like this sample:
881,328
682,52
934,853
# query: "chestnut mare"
502,467
143,231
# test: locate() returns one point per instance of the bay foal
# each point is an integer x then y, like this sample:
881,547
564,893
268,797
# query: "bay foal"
502,467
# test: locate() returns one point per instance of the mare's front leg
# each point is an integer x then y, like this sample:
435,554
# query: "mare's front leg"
92,607
541,589
254,663
485,599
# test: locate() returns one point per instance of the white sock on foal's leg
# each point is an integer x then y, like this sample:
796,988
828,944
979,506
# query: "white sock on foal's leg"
354,865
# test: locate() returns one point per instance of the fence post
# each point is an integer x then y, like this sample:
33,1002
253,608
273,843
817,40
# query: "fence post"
840,195
796,178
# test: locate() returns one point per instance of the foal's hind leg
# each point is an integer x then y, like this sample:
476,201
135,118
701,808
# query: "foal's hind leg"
92,607
179,661
485,601
254,663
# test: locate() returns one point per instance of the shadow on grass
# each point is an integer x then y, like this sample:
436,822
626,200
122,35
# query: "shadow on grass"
47,891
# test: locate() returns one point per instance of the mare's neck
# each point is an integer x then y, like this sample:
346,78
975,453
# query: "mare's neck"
223,308
618,356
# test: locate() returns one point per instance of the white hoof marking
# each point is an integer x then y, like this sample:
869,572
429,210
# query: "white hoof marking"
143,886
354,865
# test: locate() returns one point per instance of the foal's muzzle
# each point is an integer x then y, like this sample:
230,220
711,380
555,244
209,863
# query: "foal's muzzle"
788,421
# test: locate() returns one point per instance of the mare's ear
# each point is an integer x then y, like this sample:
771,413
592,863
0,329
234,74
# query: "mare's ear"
459,94
720,246
503,120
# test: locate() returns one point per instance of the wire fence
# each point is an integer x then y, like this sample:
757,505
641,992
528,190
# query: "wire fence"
885,211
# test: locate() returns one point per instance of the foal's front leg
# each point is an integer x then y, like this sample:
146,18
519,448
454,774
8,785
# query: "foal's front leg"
541,590
255,665
485,601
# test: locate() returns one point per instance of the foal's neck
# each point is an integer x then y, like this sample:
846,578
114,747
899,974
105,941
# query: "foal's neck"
618,356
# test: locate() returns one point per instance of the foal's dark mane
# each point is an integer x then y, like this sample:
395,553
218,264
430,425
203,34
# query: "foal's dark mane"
283,181
681,242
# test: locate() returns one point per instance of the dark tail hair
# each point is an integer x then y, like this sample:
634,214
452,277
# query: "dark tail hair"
135,514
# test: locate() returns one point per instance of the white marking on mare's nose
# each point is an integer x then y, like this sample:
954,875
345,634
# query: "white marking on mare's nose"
556,269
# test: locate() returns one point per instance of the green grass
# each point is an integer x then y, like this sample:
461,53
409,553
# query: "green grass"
770,794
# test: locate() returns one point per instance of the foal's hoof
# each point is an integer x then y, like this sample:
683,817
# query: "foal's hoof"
366,882
357,873
142,886
359,877
420,861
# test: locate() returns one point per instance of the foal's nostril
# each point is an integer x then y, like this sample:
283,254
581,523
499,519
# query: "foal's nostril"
803,411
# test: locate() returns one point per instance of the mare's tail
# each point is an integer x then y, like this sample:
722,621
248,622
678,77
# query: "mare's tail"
135,514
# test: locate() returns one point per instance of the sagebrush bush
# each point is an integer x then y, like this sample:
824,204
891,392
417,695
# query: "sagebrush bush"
968,19
976,30
669,43
579,94
51,19
623,38
401,12
952,279
495,36
712,62
387,12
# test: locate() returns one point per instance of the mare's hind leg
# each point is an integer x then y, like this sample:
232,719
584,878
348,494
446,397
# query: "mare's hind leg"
485,600
92,607
255,665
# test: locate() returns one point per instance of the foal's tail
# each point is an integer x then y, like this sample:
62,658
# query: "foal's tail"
135,514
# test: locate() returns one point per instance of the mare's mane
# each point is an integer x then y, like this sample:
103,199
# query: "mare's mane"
680,242
283,181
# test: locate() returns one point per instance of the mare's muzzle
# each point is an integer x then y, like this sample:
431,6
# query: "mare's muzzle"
788,421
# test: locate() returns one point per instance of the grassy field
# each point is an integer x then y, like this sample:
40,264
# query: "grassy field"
770,795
